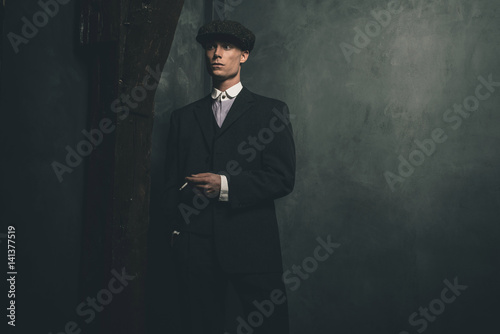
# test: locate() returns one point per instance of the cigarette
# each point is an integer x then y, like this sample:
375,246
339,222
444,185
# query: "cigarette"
183,186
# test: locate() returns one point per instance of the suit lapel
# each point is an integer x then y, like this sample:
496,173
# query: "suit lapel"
243,102
204,115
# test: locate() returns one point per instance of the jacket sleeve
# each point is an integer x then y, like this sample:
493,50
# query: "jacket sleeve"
276,177
171,182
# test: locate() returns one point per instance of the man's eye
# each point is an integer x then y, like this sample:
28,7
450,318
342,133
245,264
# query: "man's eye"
227,46
210,46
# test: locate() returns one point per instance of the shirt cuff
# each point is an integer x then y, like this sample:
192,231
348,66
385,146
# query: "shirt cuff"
224,189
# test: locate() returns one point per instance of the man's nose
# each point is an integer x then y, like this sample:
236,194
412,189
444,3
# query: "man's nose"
216,52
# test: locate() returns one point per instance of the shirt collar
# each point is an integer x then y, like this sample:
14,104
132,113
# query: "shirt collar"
231,92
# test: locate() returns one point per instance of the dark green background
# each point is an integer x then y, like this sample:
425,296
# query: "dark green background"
351,121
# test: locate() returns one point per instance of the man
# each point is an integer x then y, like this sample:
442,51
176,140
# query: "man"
230,155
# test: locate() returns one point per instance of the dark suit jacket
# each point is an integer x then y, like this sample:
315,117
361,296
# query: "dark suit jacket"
254,148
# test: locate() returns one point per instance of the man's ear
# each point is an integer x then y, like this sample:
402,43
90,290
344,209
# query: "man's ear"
244,56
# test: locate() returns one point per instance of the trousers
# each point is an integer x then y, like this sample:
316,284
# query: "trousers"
203,287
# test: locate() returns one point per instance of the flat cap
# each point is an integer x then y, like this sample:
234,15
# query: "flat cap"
230,31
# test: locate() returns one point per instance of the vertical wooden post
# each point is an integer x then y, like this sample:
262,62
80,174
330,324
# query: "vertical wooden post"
127,41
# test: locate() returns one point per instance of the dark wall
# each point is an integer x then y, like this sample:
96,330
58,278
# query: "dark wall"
353,117
361,105
43,108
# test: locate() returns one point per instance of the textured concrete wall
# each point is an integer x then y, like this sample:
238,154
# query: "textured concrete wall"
365,95
361,100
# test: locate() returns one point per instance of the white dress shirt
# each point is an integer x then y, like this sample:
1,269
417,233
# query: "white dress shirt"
222,102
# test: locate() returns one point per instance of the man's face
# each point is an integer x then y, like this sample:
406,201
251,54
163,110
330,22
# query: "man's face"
223,59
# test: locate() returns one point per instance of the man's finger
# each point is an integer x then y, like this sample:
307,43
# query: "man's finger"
201,175
196,180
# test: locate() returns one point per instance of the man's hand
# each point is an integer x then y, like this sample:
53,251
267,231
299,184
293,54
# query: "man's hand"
208,183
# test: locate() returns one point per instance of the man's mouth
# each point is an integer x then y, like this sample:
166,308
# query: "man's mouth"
217,64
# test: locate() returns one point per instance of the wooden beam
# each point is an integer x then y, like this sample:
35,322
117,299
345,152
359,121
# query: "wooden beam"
127,41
